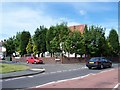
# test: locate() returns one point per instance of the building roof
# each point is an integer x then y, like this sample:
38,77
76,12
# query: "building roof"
79,28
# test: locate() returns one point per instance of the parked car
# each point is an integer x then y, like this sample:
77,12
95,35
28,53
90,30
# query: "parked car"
17,57
99,62
34,60
2,57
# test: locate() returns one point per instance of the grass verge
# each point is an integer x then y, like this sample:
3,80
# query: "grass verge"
6,68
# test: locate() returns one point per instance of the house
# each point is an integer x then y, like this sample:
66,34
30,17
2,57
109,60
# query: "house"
2,51
73,28
79,28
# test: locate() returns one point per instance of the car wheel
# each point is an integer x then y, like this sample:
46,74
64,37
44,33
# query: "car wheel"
35,62
101,66
90,67
27,62
110,65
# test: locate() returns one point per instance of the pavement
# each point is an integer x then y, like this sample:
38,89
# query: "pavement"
28,72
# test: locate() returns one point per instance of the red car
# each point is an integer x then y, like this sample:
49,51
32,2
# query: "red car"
34,60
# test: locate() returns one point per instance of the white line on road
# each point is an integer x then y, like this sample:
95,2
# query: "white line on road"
116,86
70,70
30,76
14,78
53,72
64,71
74,69
59,71
43,84
106,71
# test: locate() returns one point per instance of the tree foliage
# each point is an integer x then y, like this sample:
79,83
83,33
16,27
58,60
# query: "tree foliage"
113,42
29,47
24,39
60,38
17,42
40,39
55,36
10,46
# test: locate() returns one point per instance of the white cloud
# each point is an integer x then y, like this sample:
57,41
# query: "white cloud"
27,19
82,12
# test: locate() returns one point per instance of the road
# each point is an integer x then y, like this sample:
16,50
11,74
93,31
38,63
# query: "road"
54,72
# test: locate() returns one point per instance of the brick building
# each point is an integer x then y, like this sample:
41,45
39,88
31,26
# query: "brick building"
79,28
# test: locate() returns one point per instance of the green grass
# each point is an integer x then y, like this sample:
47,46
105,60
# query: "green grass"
6,68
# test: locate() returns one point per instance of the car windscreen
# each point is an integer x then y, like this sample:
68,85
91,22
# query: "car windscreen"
94,59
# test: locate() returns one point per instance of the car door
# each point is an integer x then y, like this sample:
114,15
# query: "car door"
106,62
32,60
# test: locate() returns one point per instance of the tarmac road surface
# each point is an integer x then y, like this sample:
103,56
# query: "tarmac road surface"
53,75
104,79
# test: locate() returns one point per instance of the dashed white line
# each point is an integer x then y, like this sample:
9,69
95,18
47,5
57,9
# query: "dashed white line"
53,72
74,69
64,71
70,70
59,71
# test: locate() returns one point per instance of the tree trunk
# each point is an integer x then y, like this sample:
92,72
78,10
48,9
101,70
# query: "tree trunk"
75,55
51,54
68,54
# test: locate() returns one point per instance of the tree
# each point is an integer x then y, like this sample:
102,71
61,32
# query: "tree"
40,39
77,43
24,39
17,42
10,46
95,42
35,49
49,37
29,47
55,36
114,42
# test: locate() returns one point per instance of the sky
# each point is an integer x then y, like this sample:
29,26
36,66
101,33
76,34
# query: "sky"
18,16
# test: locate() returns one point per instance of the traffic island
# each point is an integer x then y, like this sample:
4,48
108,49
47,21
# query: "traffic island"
24,71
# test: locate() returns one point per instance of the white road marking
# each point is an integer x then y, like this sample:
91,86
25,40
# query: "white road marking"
116,86
84,67
74,69
106,71
14,78
30,76
70,70
44,84
37,69
64,70
59,71
53,72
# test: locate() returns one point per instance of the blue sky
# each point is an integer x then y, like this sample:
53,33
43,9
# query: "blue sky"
19,16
